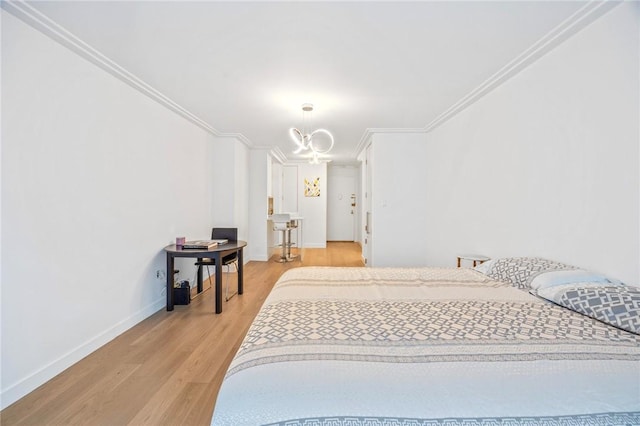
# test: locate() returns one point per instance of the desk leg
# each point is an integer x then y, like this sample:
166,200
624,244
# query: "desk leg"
199,277
218,283
169,282
240,270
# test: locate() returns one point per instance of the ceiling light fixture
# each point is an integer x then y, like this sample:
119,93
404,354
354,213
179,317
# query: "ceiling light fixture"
305,141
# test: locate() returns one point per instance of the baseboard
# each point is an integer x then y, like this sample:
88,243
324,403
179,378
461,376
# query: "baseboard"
315,245
258,255
17,390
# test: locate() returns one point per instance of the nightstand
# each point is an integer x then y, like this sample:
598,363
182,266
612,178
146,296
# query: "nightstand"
477,259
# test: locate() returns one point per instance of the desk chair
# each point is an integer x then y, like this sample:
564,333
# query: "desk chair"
230,234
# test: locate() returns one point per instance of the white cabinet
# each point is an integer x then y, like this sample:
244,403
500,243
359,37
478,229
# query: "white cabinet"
395,201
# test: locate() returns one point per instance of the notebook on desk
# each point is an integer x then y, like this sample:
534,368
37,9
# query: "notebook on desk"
200,245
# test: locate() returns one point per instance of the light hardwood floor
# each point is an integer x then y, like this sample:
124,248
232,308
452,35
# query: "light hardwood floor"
166,370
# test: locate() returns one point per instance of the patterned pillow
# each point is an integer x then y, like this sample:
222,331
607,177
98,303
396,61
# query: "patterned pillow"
520,271
618,305
484,267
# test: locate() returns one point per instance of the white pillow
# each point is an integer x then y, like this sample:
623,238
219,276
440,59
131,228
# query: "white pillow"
555,278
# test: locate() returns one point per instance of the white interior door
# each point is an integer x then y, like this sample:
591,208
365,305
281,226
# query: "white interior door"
341,192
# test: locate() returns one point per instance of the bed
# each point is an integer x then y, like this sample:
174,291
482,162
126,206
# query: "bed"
428,346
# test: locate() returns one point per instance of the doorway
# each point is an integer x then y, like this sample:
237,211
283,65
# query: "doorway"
341,201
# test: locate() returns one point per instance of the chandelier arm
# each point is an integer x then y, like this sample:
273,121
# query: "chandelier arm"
314,158
299,140
321,151
304,140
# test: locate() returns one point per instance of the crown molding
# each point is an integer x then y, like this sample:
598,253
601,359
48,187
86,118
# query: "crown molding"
364,140
297,161
238,136
36,19
369,132
574,23
343,164
277,153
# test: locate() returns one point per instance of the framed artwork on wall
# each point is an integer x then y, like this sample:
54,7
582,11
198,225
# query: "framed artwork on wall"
312,187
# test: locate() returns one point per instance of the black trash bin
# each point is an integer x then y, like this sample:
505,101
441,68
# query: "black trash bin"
182,293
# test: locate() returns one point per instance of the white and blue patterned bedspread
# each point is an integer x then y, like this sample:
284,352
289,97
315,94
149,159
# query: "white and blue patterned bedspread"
430,346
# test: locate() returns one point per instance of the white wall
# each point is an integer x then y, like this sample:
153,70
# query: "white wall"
398,203
277,172
229,194
223,183
547,164
94,185
241,193
230,185
1,210
290,189
259,191
313,209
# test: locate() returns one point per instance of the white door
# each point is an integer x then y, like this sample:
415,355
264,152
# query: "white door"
341,193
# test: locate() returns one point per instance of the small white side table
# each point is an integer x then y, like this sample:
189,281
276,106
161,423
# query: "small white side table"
477,259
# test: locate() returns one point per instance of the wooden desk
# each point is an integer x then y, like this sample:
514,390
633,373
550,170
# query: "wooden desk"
216,254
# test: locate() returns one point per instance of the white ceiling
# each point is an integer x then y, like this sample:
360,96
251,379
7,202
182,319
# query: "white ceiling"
246,67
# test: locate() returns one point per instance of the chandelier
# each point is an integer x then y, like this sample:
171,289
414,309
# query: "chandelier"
306,141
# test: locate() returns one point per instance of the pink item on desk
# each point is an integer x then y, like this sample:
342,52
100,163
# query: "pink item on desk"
180,242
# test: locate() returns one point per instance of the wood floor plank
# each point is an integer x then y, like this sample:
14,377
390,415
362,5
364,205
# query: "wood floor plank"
95,396
166,370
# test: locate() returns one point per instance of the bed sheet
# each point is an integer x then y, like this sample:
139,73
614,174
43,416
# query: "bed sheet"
425,346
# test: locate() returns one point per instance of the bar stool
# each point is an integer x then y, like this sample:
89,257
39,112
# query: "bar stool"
281,223
293,224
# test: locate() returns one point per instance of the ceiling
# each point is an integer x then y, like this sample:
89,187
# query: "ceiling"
247,67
